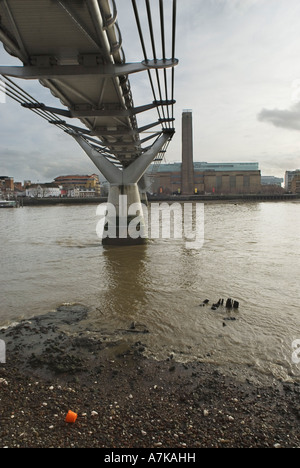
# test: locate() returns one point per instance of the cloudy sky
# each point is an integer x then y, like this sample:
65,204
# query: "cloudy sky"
239,72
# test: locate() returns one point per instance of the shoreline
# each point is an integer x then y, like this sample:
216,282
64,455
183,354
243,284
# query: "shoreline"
125,400
160,198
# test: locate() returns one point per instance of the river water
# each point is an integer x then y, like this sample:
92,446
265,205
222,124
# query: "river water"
251,253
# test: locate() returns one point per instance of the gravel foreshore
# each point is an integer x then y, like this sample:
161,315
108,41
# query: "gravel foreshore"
125,400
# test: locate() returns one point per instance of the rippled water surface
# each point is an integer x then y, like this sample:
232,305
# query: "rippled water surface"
251,253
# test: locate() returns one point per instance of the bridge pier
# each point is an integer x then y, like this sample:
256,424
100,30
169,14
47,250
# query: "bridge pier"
124,222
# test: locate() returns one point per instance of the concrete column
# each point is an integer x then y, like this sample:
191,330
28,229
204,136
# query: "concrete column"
125,224
144,185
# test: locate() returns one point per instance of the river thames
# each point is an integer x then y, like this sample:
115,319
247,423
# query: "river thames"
251,253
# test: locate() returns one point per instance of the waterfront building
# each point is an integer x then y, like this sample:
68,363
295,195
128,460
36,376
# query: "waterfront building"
7,187
289,175
271,180
19,186
189,177
43,191
209,178
295,184
7,184
87,184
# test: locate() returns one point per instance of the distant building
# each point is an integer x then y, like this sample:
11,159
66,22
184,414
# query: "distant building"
71,192
20,193
18,186
289,175
271,180
43,191
7,187
295,185
209,178
191,177
79,193
7,183
75,185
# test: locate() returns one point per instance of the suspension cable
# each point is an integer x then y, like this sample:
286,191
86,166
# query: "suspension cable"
136,13
12,90
173,50
164,109
150,23
15,92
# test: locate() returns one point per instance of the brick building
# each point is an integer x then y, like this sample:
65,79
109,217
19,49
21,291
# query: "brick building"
7,186
295,184
89,184
209,178
191,177
288,178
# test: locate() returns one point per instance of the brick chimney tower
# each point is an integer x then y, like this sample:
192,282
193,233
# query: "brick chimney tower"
187,170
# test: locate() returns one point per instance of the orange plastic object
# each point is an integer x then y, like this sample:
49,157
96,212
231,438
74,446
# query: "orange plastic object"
71,417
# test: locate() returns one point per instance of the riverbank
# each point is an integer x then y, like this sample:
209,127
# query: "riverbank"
124,400
163,198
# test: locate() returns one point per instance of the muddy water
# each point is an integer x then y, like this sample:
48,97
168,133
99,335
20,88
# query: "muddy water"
251,253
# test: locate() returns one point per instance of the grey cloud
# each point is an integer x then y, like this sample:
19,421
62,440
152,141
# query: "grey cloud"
43,166
289,119
280,162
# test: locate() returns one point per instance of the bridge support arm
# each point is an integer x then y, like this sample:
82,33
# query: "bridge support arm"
133,173
107,168
137,169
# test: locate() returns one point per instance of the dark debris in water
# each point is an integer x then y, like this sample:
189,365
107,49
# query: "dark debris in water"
230,305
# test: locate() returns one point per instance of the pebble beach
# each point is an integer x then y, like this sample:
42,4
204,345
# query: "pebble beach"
125,400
